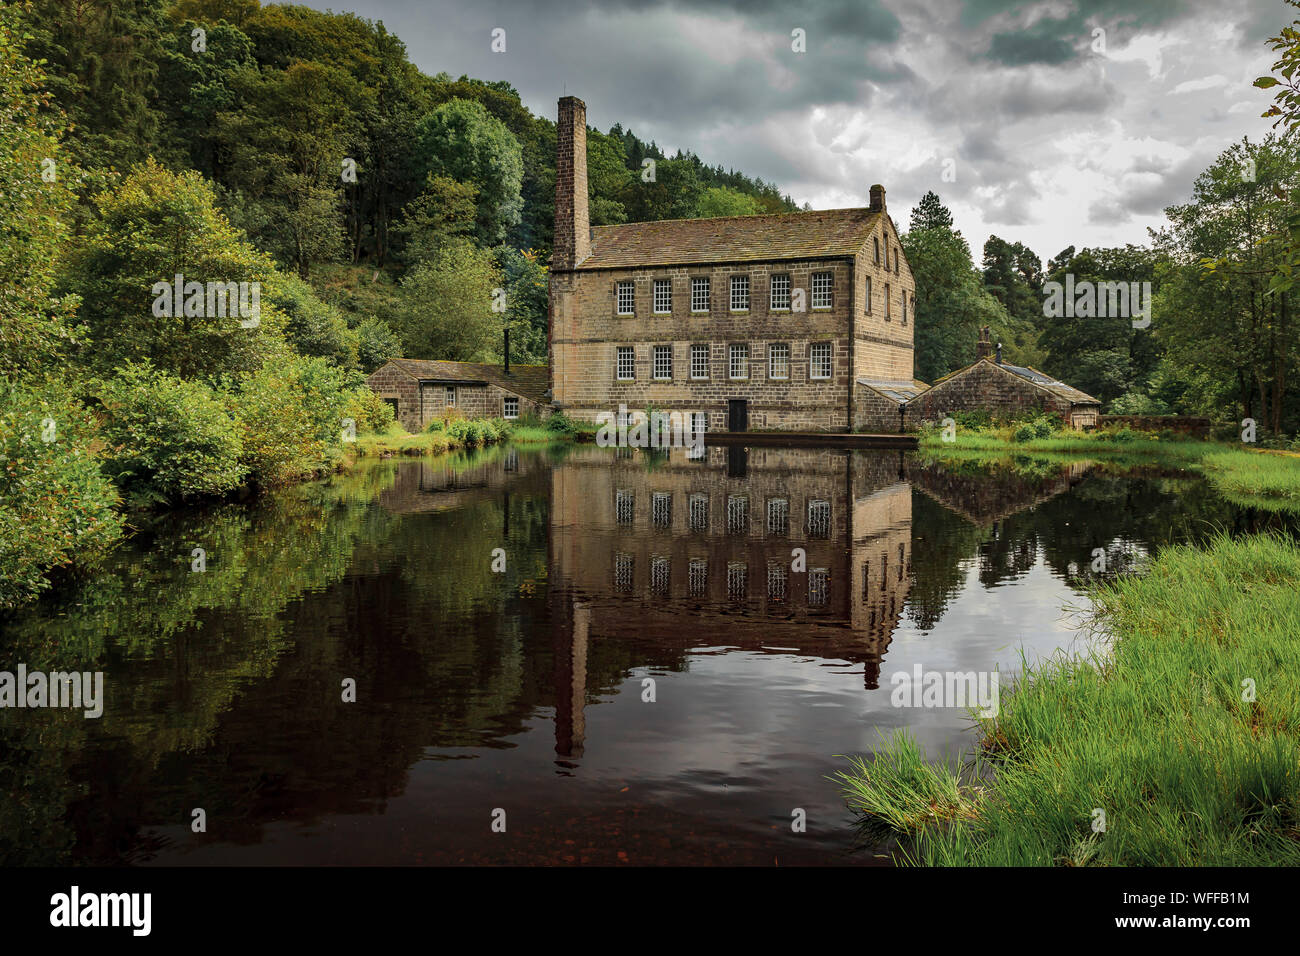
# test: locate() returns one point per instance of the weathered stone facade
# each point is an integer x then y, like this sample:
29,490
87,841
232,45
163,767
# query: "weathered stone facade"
988,386
848,286
422,391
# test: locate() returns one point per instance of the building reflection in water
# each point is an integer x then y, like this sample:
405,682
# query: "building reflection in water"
785,550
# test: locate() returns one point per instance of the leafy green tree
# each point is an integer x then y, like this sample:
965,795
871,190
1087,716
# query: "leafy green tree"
36,325
527,303
154,226
444,213
723,201
462,141
445,311
930,213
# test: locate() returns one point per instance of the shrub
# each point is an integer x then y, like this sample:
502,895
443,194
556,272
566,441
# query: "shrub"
436,425
562,424
1042,427
368,410
1023,433
290,416
165,437
56,507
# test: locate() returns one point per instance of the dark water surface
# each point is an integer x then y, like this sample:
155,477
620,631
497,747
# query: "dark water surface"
524,691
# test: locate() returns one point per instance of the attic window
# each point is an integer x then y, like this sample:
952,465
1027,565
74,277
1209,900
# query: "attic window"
875,243
895,260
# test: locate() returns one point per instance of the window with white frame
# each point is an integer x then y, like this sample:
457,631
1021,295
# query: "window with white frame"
699,512
778,517
867,300
663,363
738,361
778,360
819,360
818,587
626,364
624,506
740,293
737,580
819,519
661,509
623,566
626,298
699,424
821,290
659,575
780,297
697,578
663,296
700,294
737,514
451,396
699,361
511,409
777,578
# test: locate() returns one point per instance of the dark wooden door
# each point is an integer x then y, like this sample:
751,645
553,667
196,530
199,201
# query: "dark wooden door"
737,415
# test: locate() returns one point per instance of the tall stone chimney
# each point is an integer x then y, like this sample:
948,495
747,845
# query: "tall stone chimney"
983,345
877,198
572,225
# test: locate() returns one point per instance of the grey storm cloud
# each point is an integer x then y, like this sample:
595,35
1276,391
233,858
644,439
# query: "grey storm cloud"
886,90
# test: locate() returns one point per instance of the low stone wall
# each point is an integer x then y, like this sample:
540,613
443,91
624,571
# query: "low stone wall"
1182,424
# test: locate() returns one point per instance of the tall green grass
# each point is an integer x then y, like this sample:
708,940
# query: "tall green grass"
1255,479
1159,733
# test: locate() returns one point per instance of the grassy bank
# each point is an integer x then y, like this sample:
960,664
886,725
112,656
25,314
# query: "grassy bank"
1162,734
1246,476
443,436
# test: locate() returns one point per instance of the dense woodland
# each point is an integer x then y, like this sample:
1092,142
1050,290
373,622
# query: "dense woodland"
379,210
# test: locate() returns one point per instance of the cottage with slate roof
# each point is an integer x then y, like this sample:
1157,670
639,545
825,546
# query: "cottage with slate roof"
420,391
768,322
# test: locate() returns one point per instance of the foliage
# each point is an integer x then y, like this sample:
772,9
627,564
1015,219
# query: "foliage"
167,438
446,306
56,506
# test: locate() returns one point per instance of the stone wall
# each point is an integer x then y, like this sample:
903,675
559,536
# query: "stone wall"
390,381
983,388
418,404
585,334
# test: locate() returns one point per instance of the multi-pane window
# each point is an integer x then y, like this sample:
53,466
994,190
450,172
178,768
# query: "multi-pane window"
511,407
778,517
624,506
697,577
777,577
819,519
663,365
661,509
737,514
737,580
819,360
740,293
738,361
699,512
626,298
700,294
659,575
818,587
867,299
888,295
623,564
821,290
778,360
699,361
780,297
663,296
699,423
451,396
626,364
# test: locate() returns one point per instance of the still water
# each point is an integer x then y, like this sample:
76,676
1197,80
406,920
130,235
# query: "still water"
647,681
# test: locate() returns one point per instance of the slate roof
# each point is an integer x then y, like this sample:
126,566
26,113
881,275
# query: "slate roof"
1067,392
530,381
822,234
898,391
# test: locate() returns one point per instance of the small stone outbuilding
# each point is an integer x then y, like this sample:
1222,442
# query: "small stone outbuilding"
421,390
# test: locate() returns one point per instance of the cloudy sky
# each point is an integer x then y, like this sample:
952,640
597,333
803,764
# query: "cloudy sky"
1029,123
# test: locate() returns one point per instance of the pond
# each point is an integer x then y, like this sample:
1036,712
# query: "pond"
565,655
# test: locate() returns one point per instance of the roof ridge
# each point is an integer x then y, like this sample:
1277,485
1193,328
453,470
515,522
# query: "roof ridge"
756,215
